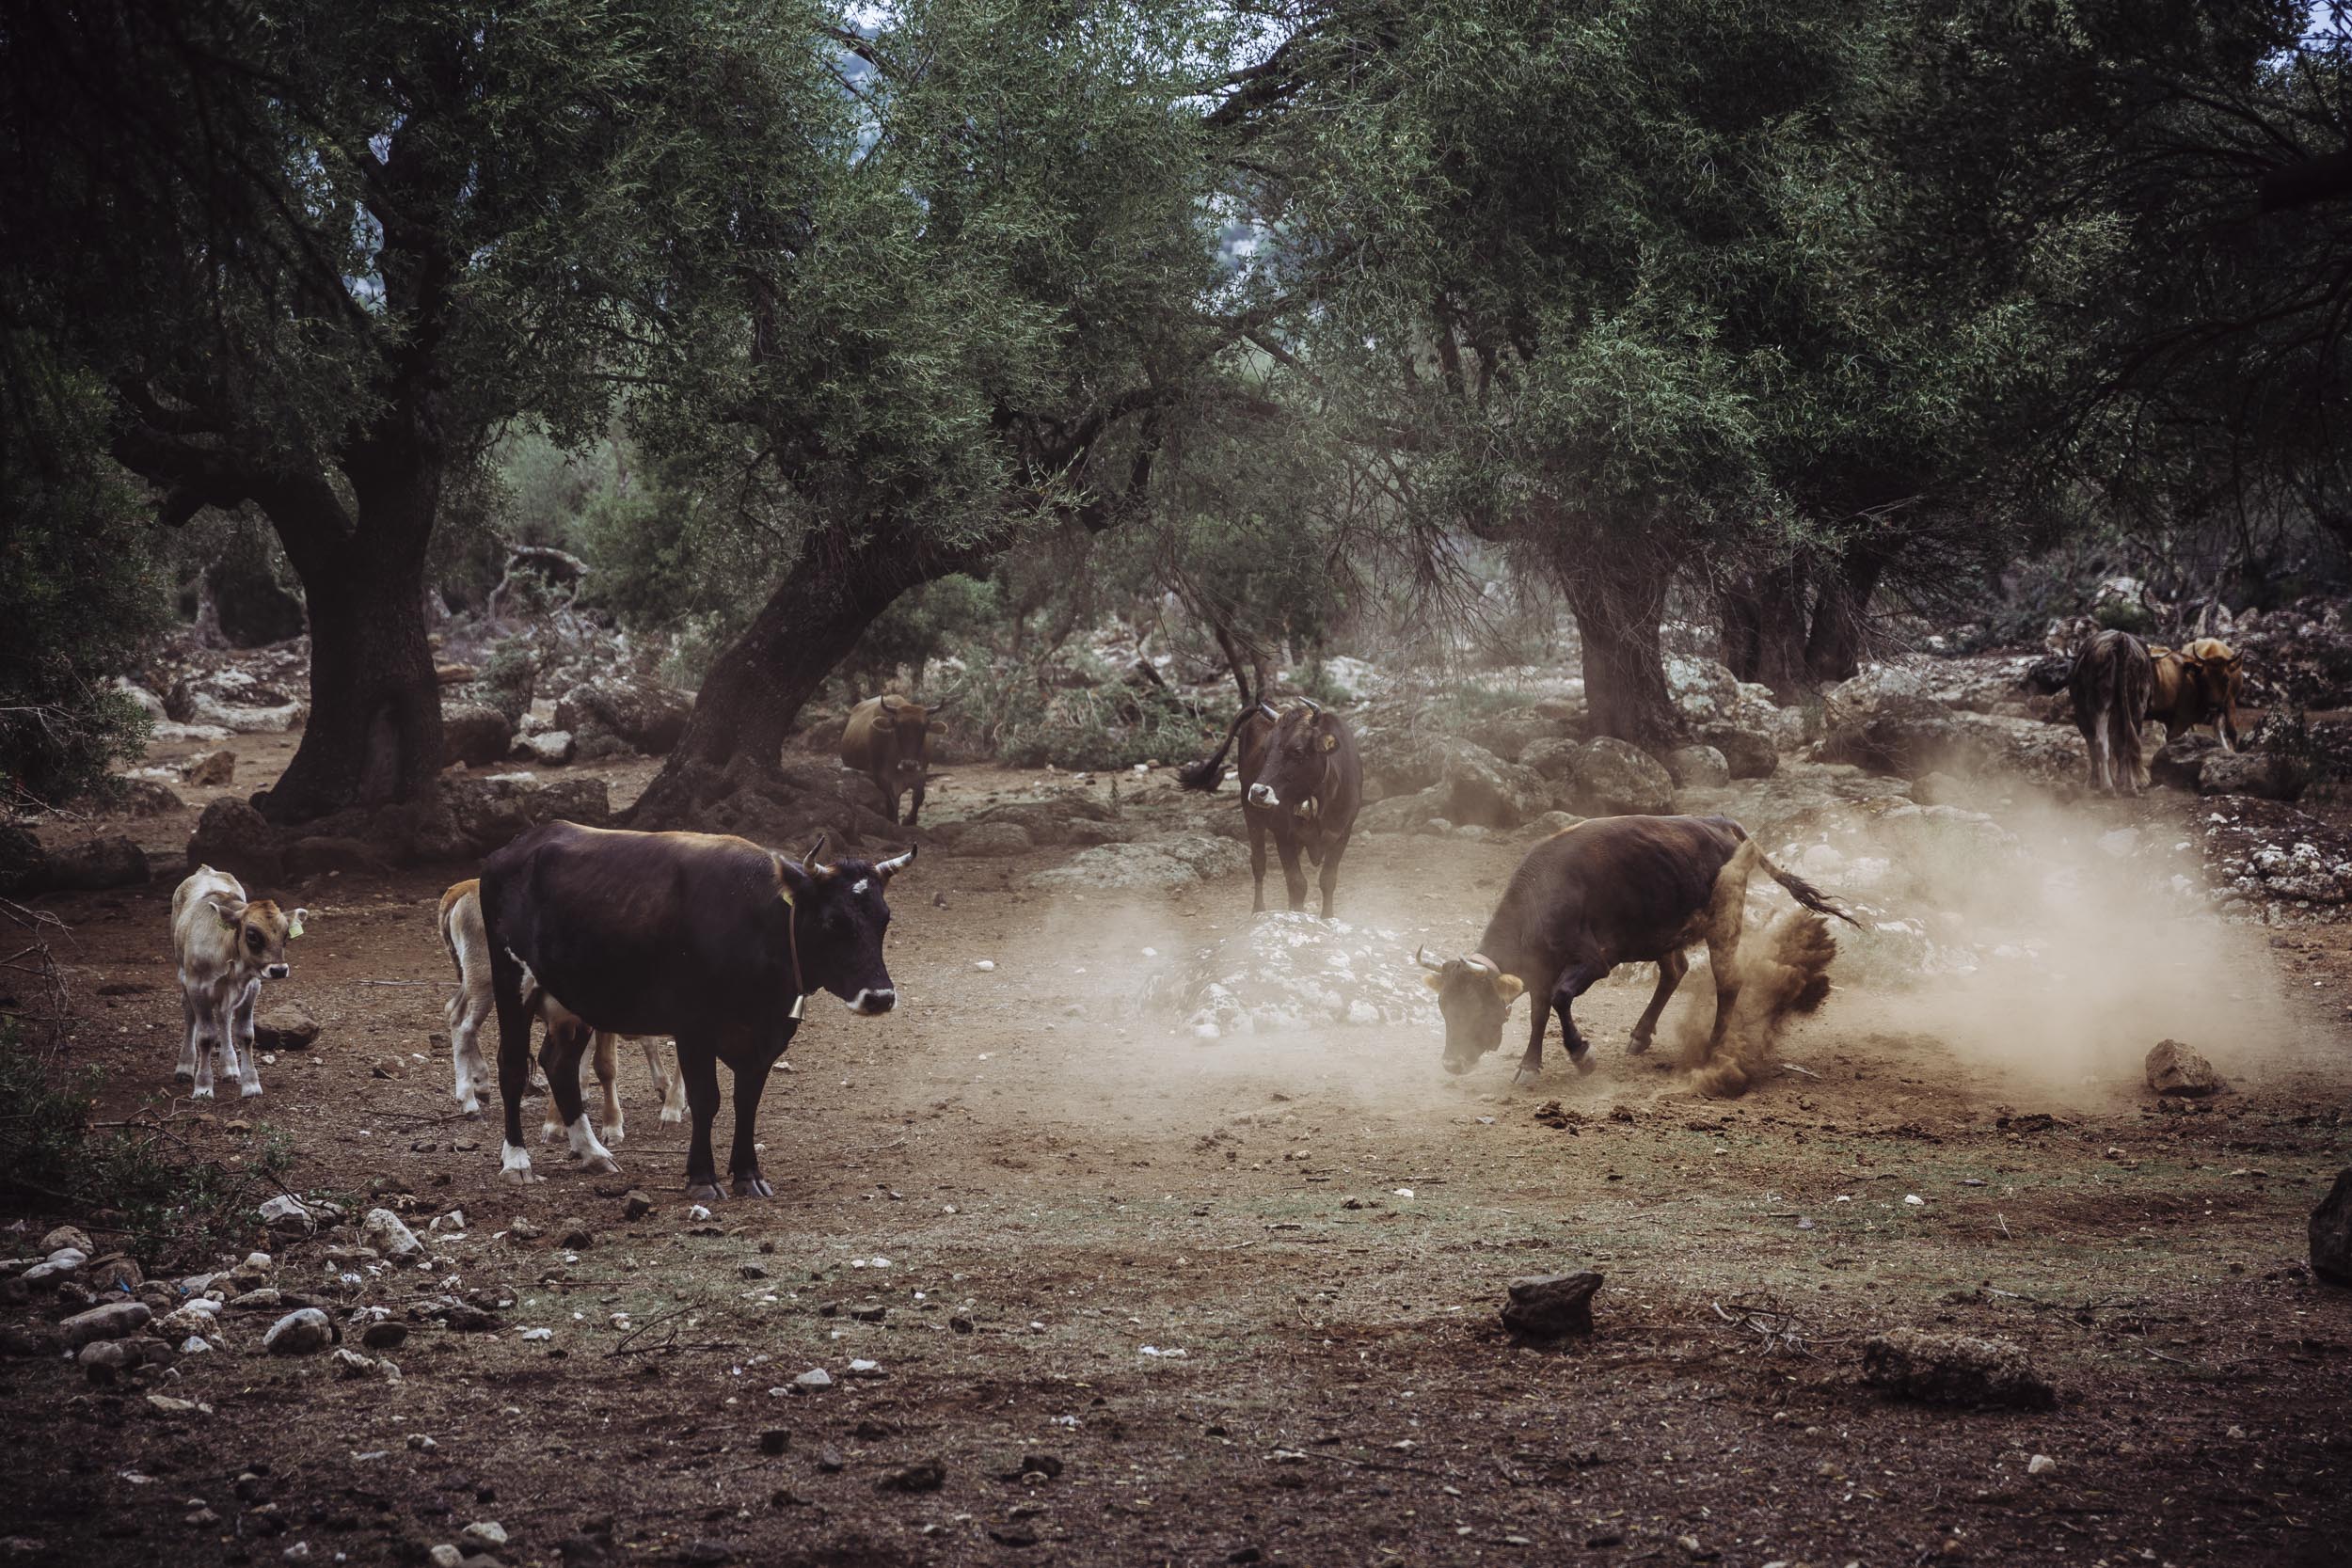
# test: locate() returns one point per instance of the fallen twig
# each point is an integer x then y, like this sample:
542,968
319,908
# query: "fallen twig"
1801,1073
420,985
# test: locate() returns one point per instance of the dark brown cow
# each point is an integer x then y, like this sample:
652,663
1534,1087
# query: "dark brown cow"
1302,782
888,739
2198,684
709,939
1612,890
2110,686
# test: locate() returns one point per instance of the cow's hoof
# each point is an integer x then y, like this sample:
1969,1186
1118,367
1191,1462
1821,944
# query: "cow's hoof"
471,1108
673,1117
614,1133
753,1186
704,1191
600,1164
1638,1045
551,1132
1526,1077
250,1091
202,1091
181,1075
1584,1063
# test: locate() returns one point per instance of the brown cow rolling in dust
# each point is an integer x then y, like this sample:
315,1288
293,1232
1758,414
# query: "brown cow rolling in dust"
2112,678
1639,890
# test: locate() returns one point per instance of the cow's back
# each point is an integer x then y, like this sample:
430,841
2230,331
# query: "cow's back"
1626,885
641,933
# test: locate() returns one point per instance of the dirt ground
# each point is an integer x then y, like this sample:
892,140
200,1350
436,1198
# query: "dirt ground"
1148,1299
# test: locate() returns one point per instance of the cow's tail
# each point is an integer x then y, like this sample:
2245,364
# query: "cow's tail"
1803,891
1209,771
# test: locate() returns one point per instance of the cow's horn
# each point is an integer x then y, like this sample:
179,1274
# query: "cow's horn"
895,864
941,706
1313,707
1421,957
808,862
1267,709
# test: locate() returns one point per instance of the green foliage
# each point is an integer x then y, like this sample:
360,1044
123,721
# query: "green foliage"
510,677
1079,716
81,590
919,627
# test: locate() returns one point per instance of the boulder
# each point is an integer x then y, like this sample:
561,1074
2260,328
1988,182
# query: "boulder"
135,797
213,771
1401,814
1616,778
234,701
105,1360
1853,700
1483,790
2173,1069
1697,767
2177,763
474,734
1552,759
2265,775
304,1331
485,812
289,1027
1953,1369
390,1235
148,701
116,1320
1550,1305
1749,753
1288,970
1508,734
640,713
1703,690
2331,1233
782,807
548,748
232,836
1401,762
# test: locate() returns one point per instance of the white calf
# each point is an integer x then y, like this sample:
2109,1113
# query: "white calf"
472,1006
226,946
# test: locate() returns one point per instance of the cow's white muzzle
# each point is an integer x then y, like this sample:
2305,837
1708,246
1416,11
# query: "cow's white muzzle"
1262,796
873,1004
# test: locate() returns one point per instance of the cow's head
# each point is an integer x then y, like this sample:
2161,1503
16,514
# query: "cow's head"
1293,778
2216,674
908,728
838,918
1474,996
260,931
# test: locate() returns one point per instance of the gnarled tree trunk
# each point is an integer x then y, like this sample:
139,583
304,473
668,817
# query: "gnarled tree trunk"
1618,591
374,730
1841,616
1763,630
759,684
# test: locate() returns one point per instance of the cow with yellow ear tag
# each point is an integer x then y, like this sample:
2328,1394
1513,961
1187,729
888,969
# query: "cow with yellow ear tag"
225,945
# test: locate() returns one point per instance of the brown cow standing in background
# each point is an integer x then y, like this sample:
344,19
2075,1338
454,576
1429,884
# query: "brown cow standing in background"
2198,684
1301,781
2112,678
888,739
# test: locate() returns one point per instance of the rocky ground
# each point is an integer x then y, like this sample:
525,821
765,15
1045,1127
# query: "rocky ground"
1148,1231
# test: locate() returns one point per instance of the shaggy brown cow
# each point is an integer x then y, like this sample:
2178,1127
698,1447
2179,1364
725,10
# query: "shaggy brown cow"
1301,781
2198,684
888,739
2110,686
1612,890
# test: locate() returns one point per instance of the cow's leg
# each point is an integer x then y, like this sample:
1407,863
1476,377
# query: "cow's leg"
186,1071
506,994
241,1035
751,1082
1330,878
205,1032
914,808
666,1084
1726,912
698,1065
1294,878
2101,779
1256,860
469,1009
551,1126
1671,969
2125,752
1557,998
605,1051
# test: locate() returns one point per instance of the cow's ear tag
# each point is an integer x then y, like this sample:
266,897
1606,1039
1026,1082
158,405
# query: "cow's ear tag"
294,928
1330,742
799,1005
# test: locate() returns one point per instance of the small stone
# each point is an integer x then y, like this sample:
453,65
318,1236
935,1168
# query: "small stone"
2331,1232
114,1320
287,1028
286,1216
813,1380
389,1334
986,966
421,1442
67,1236
446,1556
959,1323
574,1234
488,1532
299,1552
865,1368
775,1440
203,1518
103,1360
636,1205
2041,1464
924,1475
305,1332
829,1461
753,1271
352,1364
390,1235
1551,1306
2173,1069
213,771
387,1066
869,1311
